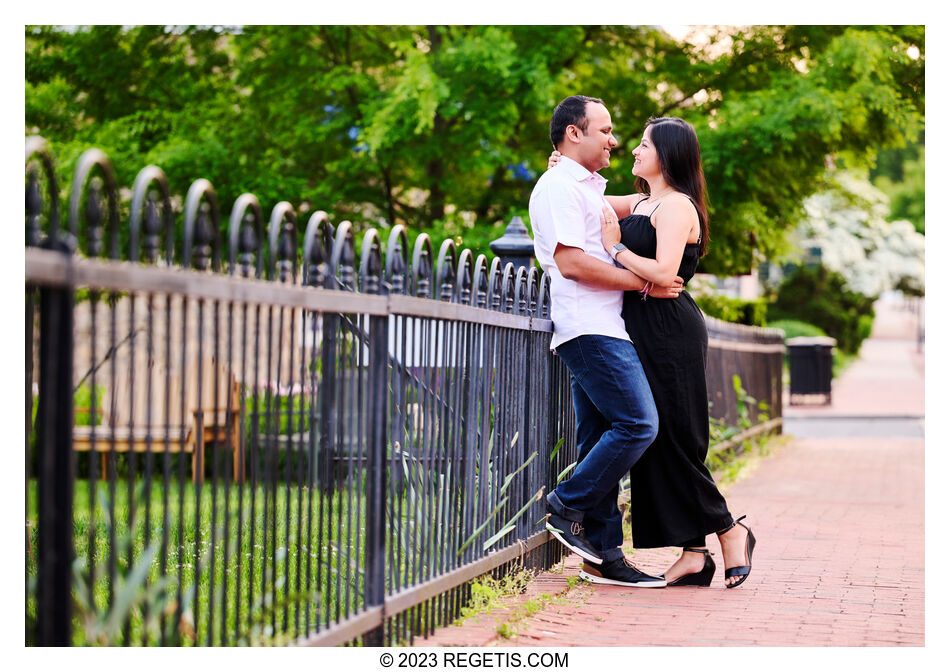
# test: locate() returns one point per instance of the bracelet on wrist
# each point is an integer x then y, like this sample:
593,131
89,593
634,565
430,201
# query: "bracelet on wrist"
645,291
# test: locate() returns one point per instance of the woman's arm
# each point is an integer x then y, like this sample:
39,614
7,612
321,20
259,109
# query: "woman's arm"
575,264
622,205
672,230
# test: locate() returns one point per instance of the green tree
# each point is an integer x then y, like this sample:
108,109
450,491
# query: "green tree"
899,173
445,128
771,104
821,297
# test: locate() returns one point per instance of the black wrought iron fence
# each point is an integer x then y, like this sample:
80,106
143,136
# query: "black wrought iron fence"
264,440
753,355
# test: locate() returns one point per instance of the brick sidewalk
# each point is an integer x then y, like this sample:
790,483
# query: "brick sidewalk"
888,377
839,559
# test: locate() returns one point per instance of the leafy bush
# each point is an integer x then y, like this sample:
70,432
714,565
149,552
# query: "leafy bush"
83,404
278,414
741,311
796,328
820,297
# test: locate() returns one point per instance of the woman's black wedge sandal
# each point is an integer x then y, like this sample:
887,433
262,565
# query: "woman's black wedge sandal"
701,578
742,571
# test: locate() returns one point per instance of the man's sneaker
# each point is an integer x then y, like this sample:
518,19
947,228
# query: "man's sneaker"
571,534
620,572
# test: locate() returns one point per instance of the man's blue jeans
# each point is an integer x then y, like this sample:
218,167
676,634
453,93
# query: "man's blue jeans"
616,423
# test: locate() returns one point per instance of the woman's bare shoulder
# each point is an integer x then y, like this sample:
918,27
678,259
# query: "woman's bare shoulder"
678,203
677,208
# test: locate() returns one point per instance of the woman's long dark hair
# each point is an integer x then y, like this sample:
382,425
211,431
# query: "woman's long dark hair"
677,148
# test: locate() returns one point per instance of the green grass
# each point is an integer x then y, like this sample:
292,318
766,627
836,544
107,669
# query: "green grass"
487,592
205,563
262,558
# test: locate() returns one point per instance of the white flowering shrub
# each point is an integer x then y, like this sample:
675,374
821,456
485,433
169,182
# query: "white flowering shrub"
849,225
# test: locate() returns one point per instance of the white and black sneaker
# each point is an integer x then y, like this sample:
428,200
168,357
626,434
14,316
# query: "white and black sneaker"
620,572
571,534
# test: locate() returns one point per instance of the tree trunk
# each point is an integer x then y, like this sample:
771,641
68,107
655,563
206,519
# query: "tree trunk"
435,169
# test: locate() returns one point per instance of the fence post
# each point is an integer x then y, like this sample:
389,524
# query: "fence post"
515,246
375,586
55,469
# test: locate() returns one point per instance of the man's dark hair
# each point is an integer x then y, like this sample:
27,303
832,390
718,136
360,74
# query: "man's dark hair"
572,111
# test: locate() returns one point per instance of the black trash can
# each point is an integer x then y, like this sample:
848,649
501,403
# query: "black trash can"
809,368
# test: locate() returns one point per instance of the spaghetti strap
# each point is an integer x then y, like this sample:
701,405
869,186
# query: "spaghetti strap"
637,204
698,240
693,203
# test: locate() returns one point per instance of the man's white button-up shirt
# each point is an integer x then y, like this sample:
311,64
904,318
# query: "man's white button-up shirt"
565,208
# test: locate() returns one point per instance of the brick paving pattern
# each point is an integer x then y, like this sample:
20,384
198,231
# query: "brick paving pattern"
839,559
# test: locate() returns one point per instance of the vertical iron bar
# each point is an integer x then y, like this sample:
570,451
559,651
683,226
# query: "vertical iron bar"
199,468
289,447
94,421
360,460
414,459
166,472
112,471
254,464
375,577
183,419
243,436
470,434
487,437
212,450
429,468
348,438
340,451
131,461
55,471
269,519
392,438
29,406
311,471
402,466
527,438
229,474
149,453
328,451
302,441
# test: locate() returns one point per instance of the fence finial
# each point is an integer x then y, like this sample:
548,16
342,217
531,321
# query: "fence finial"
515,245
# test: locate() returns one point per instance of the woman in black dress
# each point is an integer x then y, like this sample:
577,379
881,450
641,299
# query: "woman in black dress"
663,233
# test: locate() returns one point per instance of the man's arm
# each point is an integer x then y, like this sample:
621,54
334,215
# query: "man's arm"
575,264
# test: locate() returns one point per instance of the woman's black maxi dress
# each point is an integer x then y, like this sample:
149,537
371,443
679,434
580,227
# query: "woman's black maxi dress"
673,499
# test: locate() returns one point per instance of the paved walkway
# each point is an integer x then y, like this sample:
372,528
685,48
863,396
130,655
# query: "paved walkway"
839,522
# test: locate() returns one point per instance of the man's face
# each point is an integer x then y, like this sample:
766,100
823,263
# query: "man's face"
595,144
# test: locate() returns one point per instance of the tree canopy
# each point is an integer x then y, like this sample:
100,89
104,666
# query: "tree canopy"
445,128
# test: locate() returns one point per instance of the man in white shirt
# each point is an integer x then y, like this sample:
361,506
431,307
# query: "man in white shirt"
614,409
